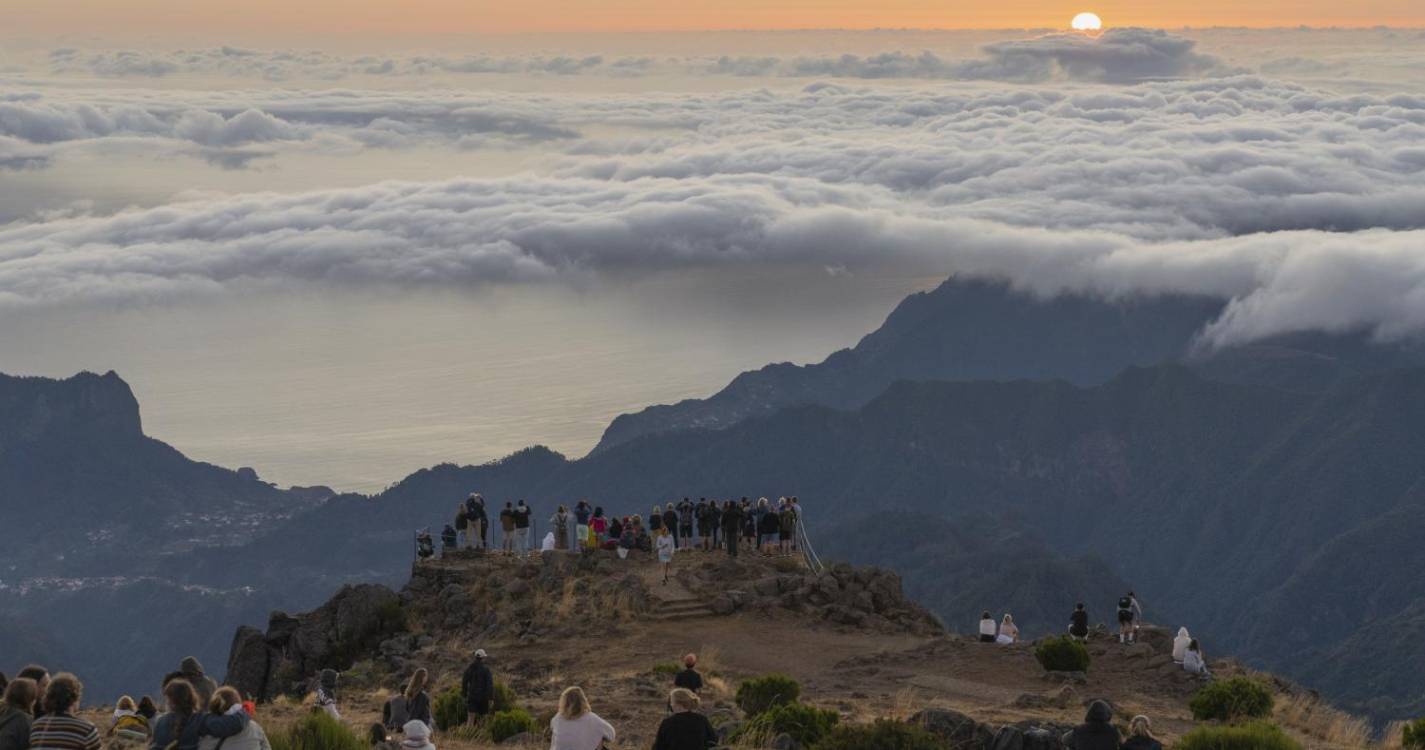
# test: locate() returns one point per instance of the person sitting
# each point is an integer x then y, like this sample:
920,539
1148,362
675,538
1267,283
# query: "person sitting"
1008,631
987,628
17,713
417,736
250,738
148,709
377,738
1140,735
1079,623
1180,645
186,722
689,679
60,728
127,723
425,546
686,729
576,727
326,693
1193,660
447,539
1097,732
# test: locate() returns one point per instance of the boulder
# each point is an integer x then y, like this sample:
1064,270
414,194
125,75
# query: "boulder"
955,728
251,663
517,587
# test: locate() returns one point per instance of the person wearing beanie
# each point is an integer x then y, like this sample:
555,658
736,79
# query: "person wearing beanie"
417,736
193,673
1097,732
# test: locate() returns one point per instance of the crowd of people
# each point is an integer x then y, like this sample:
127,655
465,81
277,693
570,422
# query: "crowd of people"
763,526
1186,651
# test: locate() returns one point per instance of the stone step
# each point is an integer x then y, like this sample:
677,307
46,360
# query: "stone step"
682,614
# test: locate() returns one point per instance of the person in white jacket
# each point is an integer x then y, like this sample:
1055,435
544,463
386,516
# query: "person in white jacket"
988,629
1008,631
417,736
250,738
1180,645
576,726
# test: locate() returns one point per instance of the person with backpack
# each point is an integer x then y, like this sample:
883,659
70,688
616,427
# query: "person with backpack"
192,671
60,728
1079,623
560,523
685,523
685,729
479,521
1140,735
17,713
448,540
1127,609
250,738
1097,732
478,686
187,722
522,514
749,524
769,527
786,527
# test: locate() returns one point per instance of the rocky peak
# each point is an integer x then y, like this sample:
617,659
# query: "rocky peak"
33,408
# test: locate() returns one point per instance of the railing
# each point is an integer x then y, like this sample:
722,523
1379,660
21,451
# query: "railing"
808,552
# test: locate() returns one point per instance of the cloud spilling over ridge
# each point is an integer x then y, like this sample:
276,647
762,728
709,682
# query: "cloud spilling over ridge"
529,230
1117,56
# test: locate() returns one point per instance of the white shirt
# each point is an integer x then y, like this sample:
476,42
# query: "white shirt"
583,733
987,626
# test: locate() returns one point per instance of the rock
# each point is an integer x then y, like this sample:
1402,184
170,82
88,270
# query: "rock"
723,605
523,738
955,728
785,742
766,587
1077,678
517,587
451,589
1138,651
251,663
1008,738
728,730
1158,660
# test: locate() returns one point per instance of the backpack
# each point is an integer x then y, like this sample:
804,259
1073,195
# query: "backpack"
561,524
1125,604
425,547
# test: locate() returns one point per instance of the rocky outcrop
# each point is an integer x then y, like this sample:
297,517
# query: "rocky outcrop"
352,625
964,733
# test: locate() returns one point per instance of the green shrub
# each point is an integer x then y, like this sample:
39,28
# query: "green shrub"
1254,736
1232,699
884,734
805,724
758,694
1413,734
666,667
315,731
448,709
1062,654
506,724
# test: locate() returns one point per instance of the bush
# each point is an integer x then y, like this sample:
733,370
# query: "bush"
448,709
1062,654
758,694
667,667
1255,736
1232,699
506,724
805,724
315,731
1412,735
882,735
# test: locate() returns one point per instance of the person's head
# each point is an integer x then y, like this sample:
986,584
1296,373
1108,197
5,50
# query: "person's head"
1182,632
683,699
598,511
147,708
1141,727
21,694
509,505
690,660
573,703
1099,713
1008,618
657,509
190,666
417,733
126,703
39,674
62,695
1079,607
376,734
985,615
328,679
182,699
417,683
761,502
562,509
1192,645
480,654
223,699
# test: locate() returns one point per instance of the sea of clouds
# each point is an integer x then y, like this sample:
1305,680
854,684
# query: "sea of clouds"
1131,163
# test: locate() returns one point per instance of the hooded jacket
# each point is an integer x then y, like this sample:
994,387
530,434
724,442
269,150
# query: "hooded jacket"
1180,645
14,728
202,683
1097,732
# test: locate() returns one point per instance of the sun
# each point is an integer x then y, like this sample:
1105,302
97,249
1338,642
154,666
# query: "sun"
1086,22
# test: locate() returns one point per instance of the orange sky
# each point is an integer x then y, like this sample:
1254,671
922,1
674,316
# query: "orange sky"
164,17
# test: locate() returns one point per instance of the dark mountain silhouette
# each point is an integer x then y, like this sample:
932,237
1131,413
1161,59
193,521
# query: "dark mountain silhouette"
985,330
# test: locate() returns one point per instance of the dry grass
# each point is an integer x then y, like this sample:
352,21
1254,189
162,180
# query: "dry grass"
1321,721
907,702
1394,737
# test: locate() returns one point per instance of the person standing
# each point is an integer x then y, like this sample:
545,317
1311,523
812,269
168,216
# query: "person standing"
715,521
326,693
1079,623
686,729
731,526
685,523
507,528
598,528
665,545
205,686
1125,618
576,726
522,513
478,686
462,527
689,679
582,515
670,522
655,519
479,520
559,524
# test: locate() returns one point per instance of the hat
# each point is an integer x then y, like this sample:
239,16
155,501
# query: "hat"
417,733
480,653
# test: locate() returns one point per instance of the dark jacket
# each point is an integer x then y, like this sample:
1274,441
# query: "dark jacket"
197,726
685,730
419,709
732,520
1079,622
478,685
193,672
1142,743
1097,732
14,728
462,521
690,679
670,519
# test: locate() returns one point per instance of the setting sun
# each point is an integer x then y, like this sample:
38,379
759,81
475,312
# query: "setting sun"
1086,22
